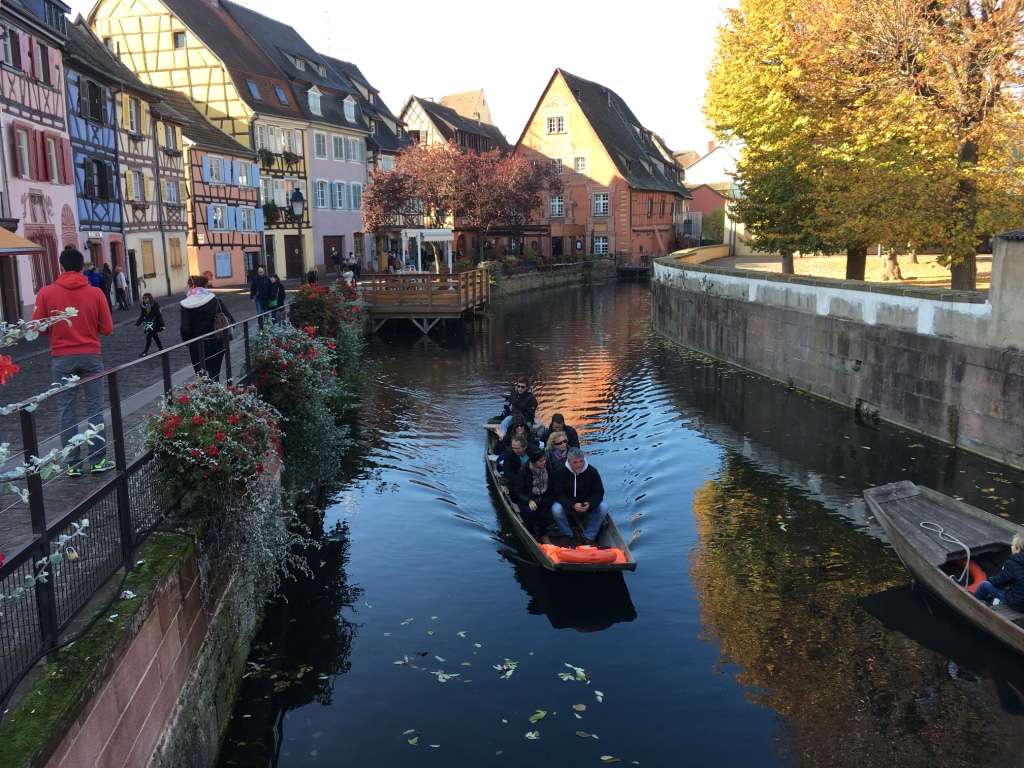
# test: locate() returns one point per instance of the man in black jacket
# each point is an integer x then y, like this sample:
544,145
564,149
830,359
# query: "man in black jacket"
521,400
513,459
1007,586
579,491
533,493
259,290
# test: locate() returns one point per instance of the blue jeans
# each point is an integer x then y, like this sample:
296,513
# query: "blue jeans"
986,591
67,402
591,521
261,305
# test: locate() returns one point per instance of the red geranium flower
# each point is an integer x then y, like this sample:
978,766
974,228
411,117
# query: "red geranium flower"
219,436
234,418
7,368
259,468
195,453
183,399
198,420
213,450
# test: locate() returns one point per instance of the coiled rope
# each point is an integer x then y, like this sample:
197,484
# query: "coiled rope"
948,537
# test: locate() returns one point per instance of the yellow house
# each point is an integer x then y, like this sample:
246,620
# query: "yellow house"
621,189
197,48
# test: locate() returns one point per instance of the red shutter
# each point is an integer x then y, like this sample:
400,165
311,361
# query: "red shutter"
26,53
68,163
42,168
15,154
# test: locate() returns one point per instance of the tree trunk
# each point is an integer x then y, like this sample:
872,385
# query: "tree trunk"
787,264
856,260
913,256
892,267
963,265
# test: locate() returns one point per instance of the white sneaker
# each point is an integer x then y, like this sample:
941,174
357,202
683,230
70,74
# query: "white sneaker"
996,602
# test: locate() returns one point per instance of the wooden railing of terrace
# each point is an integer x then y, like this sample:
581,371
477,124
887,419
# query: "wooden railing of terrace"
423,297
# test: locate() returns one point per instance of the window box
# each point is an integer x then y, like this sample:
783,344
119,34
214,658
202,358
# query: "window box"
271,212
171,152
140,205
266,157
291,158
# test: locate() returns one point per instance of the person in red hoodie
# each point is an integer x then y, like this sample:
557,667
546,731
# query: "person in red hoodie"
75,350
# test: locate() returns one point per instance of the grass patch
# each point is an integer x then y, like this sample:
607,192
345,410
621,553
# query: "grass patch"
33,727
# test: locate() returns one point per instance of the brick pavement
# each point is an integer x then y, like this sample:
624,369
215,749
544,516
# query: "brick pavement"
141,386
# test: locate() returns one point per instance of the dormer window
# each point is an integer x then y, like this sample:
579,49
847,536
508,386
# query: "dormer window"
299,64
281,96
320,70
350,110
314,101
373,127
254,91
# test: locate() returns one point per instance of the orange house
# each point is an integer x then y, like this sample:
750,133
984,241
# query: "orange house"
621,187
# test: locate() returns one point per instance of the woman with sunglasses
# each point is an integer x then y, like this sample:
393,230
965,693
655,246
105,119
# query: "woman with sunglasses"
558,450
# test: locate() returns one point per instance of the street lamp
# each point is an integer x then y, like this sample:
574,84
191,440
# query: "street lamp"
297,205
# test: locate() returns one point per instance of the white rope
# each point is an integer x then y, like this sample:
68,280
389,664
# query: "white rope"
944,535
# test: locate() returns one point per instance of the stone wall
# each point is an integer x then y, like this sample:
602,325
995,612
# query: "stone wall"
934,361
558,277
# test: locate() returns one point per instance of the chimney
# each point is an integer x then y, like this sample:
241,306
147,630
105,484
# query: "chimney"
711,146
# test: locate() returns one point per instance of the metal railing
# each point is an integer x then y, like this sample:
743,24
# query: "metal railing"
122,506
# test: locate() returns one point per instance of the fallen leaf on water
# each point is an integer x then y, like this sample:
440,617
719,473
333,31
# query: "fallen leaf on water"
477,645
537,716
599,695
461,633
435,746
580,707
507,667
465,664
410,731
443,677
407,621
504,721
533,735
430,631
610,759
439,659
413,741
574,714
583,734
433,618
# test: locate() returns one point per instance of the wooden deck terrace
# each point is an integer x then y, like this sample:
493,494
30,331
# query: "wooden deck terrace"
423,297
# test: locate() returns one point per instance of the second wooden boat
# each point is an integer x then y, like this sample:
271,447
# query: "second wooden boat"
937,538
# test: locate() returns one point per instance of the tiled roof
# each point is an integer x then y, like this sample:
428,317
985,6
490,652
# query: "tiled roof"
243,57
199,130
85,51
449,121
627,141
351,72
687,157
467,104
384,139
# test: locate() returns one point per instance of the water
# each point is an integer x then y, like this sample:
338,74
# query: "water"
768,622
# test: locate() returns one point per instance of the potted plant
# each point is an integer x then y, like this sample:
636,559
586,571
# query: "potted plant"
291,158
270,212
266,157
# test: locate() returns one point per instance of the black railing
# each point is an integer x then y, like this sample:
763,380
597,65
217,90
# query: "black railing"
122,506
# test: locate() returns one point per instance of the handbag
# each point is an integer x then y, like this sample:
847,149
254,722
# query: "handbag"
221,324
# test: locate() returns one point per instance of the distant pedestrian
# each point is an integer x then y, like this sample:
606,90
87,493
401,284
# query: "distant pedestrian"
277,299
357,268
95,278
152,322
259,290
108,282
75,351
121,288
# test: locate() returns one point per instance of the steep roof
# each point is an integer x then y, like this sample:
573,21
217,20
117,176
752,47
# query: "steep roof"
201,131
448,121
632,147
686,158
469,104
84,51
355,76
241,55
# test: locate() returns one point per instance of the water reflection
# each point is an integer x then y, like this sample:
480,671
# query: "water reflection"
584,602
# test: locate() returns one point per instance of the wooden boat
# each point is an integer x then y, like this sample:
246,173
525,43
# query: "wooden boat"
609,536
934,535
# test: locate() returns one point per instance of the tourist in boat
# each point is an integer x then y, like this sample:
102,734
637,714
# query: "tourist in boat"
1007,586
521,400
513,459
558,425
518,428
532,492
558,451
578,491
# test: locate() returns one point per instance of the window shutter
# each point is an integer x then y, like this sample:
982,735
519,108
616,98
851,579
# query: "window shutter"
182,192
206,168
231,219
229,172
128,186
109,173
209,216
259,219
18,170
42,162
33,154
147,184
83,95
254,175
26,52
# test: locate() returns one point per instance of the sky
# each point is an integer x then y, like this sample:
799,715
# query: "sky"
655,58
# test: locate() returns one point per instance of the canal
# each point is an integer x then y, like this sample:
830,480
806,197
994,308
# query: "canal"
768,622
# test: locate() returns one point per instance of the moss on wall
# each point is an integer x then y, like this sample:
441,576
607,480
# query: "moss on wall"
34,726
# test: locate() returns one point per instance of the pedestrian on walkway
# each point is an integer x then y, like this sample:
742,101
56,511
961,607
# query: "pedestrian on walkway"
121,287
357,268
259,290
75,351
199,311
276,301
152,322
108,282
95,278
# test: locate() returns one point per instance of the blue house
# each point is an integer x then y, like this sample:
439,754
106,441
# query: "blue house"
91,78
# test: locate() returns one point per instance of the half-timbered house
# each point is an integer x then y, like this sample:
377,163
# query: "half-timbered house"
154,242
225,220
198,49
335,143
38,156
91,85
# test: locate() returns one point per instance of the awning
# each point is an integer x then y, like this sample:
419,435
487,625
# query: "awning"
11,243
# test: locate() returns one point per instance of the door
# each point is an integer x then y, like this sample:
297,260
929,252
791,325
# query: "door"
9,292
334,252
556,247
96,254
293,262
133,276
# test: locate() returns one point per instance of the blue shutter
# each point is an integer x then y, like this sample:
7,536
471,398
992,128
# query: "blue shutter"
259,219
232,217
206,168
254,175
209,216
229,172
